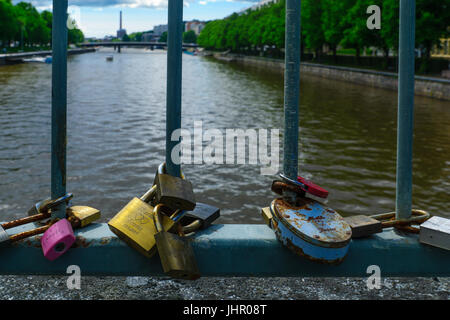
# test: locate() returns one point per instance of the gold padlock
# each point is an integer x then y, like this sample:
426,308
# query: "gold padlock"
81,216
267,216
174,192
135,225
176,254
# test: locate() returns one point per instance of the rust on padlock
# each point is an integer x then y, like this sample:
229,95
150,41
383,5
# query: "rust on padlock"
311,229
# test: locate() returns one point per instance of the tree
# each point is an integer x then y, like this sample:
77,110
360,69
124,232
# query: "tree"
163,37
75,36
9,25
125,38
332,23
311,11
432,22
189,37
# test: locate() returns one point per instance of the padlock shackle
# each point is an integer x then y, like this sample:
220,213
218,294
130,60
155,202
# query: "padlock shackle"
31,233
30,219
157,218
194,226
162,170
149,195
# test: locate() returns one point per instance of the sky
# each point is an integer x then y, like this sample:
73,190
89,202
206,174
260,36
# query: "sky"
98,18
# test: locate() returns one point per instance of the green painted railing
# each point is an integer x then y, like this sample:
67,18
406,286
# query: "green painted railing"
234,250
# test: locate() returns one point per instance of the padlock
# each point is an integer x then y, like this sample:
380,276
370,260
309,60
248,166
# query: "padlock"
134,224
174,192
267,216
4,237
81,216
200,218
48,204
363,226
436,232
78,216
311,229
176,253
57,239
306,186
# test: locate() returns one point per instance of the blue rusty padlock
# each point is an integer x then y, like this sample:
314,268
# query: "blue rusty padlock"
310,229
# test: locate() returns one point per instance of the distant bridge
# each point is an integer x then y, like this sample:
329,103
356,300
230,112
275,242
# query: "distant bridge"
120,44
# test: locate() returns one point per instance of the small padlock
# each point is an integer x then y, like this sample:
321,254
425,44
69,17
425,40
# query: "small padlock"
174,192
57,239
363,226
203,215
81,216
176,253
267,216
135,225
48,204
436,232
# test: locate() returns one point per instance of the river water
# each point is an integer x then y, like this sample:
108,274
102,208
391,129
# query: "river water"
116,136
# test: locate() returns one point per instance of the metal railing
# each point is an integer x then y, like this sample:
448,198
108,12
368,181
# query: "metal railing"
234,250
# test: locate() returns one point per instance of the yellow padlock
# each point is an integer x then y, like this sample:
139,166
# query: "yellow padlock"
135,225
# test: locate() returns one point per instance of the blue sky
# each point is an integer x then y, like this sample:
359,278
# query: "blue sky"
98,18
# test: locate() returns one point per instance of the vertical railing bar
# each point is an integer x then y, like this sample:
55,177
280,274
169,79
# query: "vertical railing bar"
291,88
59,102
174,80
405,108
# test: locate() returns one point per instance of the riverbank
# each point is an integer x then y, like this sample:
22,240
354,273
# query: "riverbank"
424,86
11,58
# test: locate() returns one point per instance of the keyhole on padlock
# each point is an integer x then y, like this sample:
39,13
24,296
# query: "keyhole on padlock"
60,247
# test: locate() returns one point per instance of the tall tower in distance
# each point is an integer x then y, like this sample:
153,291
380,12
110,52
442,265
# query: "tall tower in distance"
121,32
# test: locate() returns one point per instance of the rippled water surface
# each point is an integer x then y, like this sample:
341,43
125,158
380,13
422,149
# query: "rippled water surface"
116,114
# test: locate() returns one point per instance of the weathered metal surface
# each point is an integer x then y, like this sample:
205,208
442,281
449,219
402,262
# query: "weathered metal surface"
59,104
174,75
311,230
390,219
291,88
405,122
230,250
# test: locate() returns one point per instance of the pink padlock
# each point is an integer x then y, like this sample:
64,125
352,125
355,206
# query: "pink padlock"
57,239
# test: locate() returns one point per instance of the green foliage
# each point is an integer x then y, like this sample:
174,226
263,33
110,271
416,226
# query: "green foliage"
333,22
313,35
163,37
23,23
189,37
247,31
9,26
126,38
136,36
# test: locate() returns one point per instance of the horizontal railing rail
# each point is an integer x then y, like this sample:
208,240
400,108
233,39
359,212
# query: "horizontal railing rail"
233,250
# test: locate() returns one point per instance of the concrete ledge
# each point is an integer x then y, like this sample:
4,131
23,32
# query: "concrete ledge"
424,86
230,250
4,58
